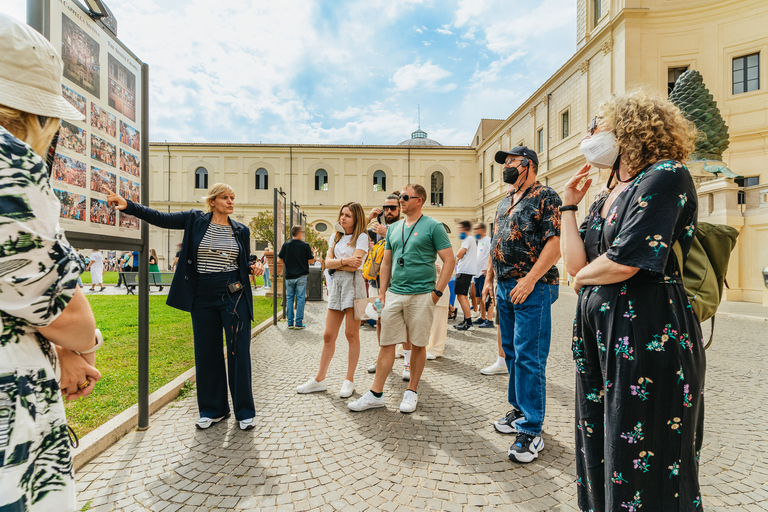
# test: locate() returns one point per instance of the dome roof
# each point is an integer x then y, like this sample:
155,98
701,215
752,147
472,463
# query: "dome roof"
419,138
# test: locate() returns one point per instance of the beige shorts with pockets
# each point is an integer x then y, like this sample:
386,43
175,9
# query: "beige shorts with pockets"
406,312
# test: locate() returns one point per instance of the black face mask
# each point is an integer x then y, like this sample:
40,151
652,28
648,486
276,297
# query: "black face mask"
510,175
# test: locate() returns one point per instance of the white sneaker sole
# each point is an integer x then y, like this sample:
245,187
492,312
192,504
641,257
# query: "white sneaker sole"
342,394
213,421
306,391
365,407
406,376
503,428
406,409
526,457
491,370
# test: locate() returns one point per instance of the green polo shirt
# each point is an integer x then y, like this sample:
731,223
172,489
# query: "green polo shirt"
422,241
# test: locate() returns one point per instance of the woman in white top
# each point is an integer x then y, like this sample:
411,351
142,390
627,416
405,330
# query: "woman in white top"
96,266
346,253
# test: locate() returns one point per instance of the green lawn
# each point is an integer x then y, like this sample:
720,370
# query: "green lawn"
170,354
111,278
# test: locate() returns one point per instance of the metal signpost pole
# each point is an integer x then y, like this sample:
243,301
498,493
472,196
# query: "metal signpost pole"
274,266
144,260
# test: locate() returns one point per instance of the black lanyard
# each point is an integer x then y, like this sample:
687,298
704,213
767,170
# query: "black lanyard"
402,235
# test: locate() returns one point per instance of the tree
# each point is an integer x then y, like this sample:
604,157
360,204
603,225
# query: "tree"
262,230
316,241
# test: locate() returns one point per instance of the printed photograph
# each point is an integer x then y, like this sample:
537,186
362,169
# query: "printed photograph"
68,170
128,221
129,163
103,151
76,100
103,120
101,180
71,137
122,88
129,136
72,205
102,213
129,190
80,53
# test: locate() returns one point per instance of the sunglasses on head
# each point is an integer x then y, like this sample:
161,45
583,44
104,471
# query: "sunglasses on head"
593,125
389,207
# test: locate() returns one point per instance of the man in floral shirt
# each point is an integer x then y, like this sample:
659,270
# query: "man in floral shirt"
524,250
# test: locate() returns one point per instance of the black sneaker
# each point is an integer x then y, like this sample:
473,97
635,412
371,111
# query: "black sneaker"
478,321
465,326
526,448
488,324
506,425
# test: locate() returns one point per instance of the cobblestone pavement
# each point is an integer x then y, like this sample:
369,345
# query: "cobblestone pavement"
309,452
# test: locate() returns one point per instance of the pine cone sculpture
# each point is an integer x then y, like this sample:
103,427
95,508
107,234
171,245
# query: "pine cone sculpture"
694,99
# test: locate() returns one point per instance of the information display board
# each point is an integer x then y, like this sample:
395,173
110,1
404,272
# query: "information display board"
102,79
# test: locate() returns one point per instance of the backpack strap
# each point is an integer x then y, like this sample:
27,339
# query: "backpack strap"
711,332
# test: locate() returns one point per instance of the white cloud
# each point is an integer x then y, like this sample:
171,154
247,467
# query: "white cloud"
444,30
421,75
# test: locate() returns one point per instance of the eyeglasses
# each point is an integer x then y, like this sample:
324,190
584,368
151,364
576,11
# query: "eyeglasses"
406,197
389,207
593,125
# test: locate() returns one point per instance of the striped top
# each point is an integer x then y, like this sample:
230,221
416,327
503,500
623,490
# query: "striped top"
218,251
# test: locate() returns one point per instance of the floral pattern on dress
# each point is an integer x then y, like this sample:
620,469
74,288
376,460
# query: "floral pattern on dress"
38,276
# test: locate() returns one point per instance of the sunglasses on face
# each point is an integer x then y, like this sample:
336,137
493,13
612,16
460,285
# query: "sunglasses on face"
389,207
405,198
593,125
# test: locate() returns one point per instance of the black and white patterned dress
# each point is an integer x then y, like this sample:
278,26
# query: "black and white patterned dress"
38,275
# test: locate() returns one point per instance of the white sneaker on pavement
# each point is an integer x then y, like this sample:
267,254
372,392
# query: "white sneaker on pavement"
496,368
410,399
247,424
431,356
372,368
204,422
407,372
312,386
367,401
347,388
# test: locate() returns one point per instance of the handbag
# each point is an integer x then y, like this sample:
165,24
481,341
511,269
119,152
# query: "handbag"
360,304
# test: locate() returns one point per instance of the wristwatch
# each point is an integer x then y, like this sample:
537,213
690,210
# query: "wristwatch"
569,208
438,292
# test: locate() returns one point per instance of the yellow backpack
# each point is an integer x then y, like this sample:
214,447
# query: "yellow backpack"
372,264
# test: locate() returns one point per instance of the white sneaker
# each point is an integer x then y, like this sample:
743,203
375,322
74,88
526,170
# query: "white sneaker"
367,401
410,399
347,388
247,424
312,386
399,355
372,368
407,371
204,423
496,368
431,356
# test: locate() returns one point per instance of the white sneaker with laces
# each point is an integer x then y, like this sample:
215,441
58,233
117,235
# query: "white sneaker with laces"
247,424
372,368
407,372
367,401
312,386
410,399
204,423
431,356
496,368
347,388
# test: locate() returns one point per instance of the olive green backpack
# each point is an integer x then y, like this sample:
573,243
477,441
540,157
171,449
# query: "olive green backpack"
705,268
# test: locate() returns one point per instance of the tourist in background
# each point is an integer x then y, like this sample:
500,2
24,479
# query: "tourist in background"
45,315
211,282
466,268
439,330
264,262
485,320
637,343
296,255
96,267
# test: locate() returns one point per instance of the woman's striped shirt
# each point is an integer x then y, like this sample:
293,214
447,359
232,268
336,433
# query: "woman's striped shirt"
218,251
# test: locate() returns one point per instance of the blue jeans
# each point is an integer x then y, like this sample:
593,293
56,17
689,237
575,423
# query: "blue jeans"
295,289
526,332
267,283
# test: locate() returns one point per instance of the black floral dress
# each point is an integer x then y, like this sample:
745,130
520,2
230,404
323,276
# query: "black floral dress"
639,354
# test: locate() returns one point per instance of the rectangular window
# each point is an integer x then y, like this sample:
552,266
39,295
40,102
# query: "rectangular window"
481,180
540,136
492,177
565,122
746,73
598,7
672,75
751,181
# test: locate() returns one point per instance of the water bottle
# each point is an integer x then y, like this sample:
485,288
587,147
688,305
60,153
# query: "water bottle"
377,305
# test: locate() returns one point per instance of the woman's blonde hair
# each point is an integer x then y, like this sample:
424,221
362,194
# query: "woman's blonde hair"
153,253
648,127
359,215
213,193
26,127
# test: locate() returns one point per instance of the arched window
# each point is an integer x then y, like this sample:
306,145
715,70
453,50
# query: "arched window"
321,227
262,179
436,194
201,178
379,181
321,180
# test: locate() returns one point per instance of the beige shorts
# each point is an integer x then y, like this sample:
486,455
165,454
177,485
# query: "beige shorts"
411,313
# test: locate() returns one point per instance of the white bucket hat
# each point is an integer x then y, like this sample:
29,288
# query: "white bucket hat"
30,72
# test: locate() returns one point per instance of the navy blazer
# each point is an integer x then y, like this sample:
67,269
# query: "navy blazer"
195,223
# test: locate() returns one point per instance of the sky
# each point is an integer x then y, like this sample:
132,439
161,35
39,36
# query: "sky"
339,71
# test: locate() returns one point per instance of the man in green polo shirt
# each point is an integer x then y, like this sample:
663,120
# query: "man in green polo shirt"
408,293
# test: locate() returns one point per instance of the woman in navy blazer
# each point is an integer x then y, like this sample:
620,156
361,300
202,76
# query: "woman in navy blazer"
213,298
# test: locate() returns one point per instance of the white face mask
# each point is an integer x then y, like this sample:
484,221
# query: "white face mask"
338,227
601,149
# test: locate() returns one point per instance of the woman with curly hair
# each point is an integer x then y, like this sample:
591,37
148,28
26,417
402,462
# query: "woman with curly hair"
636,342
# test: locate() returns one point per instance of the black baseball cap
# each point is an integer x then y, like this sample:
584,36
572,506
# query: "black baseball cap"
524,151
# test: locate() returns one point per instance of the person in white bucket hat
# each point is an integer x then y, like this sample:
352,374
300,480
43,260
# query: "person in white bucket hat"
48,335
